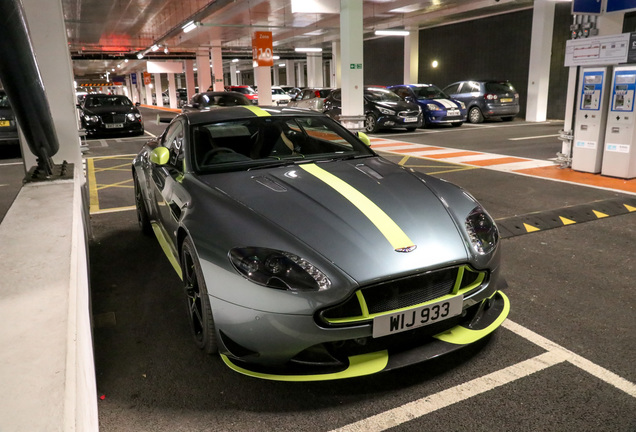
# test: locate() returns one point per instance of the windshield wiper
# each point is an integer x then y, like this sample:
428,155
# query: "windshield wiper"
280,163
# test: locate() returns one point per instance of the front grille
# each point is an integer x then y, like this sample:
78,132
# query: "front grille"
403,293
408,113
113,118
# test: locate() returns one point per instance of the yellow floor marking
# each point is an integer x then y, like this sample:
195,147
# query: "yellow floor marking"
115,185
630,208
530,228
122,167
567,221
115,210
404,159
599,214
92,186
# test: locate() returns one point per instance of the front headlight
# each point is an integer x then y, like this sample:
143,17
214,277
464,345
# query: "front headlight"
432,107
482,231
386,111
278,269
462,104
91,118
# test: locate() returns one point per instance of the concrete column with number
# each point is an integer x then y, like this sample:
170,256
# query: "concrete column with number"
300,73
217,68
352,73
158,90
204,78
336,66
263,77
411,56
540,55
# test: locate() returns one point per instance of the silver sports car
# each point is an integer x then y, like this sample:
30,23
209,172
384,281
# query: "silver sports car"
306,256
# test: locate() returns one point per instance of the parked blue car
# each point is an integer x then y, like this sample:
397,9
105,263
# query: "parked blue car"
437,106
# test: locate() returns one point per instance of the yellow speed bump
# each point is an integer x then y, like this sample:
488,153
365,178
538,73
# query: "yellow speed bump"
567,221
599,214
530,228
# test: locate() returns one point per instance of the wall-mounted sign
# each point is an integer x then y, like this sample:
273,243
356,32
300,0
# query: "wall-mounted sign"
147,78
597,50
164,67
587,7
262,51
133,78
620,5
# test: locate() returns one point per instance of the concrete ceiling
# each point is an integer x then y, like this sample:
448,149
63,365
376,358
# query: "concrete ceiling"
101,34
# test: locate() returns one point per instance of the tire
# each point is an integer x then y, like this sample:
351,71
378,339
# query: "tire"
458,124
197,300
370,123
142,212
475,115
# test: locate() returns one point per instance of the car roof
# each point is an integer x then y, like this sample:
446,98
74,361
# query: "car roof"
243,112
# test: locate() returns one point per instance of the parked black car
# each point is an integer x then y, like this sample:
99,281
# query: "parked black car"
8,128
110,114
487,99
210,100
383,109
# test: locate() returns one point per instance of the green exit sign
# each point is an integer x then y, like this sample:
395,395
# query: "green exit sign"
355,66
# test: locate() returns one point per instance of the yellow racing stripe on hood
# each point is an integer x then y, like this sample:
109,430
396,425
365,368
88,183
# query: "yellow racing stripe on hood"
381,220
256,110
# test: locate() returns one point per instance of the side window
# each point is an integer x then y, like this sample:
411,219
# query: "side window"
173,141
473,87
337,95
403,92
307,94
452,89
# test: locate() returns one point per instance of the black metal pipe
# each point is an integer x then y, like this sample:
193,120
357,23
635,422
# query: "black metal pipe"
22,82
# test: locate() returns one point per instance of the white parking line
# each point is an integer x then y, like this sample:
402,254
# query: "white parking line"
555,354
429,404
12,163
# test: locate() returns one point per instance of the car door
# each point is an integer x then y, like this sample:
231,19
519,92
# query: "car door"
172,199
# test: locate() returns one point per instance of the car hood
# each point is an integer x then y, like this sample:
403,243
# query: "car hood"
442,103
388,208
398,106
111,109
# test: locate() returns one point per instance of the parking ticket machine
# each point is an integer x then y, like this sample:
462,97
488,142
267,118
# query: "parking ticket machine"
619,154
589,129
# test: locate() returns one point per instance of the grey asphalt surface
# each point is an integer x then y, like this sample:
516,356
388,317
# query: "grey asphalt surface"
570,285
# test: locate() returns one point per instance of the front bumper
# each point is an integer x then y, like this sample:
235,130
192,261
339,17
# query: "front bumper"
441,117
102,129
393,121
501,111
354,352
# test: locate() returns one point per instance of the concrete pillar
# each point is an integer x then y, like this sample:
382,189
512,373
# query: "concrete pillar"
189,76
300,73
352,60
179,81
140,82
48,36
290,73
172,91
158,90
204,73
314,70
217,68
336,67
233,78
263,79
540,54
275,75
411,56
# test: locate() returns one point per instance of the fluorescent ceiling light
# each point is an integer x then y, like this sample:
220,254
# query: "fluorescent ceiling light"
189,27
140,55
392,33
155,47
276,57
281,65
235,60
308,49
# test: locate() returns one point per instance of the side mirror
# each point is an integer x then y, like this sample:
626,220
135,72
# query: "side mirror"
160,156
364,138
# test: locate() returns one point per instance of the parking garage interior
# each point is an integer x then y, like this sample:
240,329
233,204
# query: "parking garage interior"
91,314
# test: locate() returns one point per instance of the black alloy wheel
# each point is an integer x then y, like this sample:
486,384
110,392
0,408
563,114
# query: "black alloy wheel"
142,212
197,300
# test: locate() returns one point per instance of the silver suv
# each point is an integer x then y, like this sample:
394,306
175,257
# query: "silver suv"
486,99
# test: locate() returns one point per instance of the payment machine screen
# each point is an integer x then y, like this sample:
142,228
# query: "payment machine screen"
591,90
623,91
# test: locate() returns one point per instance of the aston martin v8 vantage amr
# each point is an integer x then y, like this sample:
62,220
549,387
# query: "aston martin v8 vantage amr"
306,256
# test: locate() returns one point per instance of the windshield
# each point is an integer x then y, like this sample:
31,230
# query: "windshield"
107,101
244,144
499,87
429,92
222,100
278,91
381,95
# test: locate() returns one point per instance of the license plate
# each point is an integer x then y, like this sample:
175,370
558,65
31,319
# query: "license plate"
452,113
5,123
410,119
506,100
418,317
113,125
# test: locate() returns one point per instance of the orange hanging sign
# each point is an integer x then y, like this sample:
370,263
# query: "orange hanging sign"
147,79
262,49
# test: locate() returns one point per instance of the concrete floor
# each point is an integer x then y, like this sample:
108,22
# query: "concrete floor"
562,361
